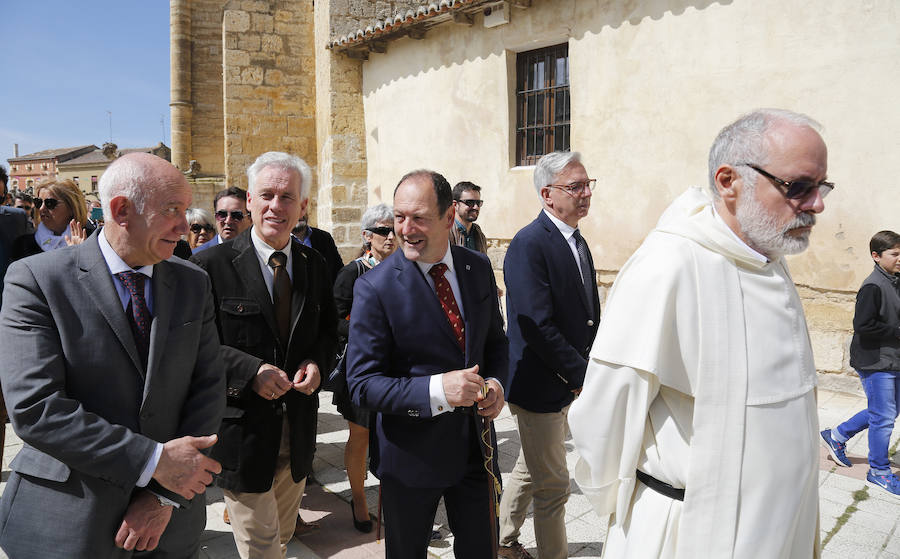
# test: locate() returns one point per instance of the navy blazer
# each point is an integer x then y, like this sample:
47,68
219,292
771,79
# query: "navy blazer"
399,338
551,323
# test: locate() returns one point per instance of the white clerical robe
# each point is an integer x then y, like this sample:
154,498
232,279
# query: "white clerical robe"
701,376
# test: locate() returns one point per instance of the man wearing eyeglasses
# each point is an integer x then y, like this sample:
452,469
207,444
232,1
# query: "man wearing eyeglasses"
553,309
467,204
232,217
25,202
697,425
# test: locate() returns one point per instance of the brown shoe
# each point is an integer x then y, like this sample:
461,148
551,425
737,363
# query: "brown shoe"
225,518
304,528
514,551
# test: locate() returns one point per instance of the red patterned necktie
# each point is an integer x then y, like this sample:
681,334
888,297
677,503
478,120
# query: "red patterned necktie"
140,314
448,303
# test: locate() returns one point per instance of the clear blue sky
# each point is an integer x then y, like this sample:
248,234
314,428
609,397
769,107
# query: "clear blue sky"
66,63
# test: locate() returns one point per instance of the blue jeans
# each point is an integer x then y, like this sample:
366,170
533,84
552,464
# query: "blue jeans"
883,394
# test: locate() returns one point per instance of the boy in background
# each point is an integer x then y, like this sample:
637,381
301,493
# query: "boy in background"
875,354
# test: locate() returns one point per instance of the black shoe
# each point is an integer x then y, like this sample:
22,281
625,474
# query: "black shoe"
365,526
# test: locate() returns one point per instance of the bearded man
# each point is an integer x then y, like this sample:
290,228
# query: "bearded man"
697,424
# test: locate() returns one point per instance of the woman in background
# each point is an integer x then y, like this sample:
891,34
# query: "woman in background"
202,226
378,244
64,219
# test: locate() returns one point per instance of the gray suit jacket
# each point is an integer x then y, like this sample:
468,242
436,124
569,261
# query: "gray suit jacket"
86,409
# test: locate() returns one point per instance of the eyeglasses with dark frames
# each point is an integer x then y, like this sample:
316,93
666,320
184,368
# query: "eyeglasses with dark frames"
383,231
196,228
575,188
795,190
50,203
236,215
472,203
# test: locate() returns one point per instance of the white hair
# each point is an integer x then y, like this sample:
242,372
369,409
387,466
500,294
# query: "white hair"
281,160
743,141
552,164
126,177
371,217
199,215
379,212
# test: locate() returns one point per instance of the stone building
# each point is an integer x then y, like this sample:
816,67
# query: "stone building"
367,90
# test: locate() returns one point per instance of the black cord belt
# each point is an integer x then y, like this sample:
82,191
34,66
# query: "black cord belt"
660,486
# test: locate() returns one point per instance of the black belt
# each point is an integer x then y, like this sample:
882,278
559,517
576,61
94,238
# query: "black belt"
660,486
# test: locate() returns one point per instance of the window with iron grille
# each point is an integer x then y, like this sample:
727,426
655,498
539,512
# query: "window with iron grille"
542,103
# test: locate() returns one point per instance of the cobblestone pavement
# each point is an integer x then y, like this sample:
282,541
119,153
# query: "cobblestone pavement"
857,521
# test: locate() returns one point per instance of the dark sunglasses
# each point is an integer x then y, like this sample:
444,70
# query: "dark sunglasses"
236,215
383,231
50,203
472,203
795,190
196,228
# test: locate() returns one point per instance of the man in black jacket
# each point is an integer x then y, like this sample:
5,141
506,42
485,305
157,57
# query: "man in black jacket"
277,325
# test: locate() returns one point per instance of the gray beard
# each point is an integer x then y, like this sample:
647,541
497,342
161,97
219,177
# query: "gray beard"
762,231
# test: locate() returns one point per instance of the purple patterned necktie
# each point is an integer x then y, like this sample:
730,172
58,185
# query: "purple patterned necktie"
140,314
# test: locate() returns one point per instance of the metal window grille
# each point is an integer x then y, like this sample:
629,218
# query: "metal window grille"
542,103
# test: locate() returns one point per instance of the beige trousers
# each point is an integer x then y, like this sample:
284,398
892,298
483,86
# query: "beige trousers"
263,523
540,475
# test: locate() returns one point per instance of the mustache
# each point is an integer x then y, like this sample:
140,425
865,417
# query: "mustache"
802,220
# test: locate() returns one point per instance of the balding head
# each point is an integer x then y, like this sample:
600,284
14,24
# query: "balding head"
769,175
144,200
135,176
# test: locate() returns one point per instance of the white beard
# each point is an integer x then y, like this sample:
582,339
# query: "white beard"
763,232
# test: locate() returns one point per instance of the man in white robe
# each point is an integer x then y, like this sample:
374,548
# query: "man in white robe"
701,379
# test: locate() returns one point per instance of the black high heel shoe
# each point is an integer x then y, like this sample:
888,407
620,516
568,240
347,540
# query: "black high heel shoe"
365,526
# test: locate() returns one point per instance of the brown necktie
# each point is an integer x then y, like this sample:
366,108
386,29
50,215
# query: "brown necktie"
281,295
448,303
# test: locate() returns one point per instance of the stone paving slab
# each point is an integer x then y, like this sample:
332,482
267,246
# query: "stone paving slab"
870,529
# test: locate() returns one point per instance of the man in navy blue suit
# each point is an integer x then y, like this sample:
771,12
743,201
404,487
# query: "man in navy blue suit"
426,339
553,311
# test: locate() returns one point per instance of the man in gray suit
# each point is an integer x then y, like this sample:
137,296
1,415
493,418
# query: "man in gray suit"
113,381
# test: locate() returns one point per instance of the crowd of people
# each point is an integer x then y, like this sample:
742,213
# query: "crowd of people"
212,333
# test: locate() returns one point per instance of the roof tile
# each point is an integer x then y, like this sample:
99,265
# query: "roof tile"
401,19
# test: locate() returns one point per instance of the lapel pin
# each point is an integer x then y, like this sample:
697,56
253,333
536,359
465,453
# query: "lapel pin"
468,267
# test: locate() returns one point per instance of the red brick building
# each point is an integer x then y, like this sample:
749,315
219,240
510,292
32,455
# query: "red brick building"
29,169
